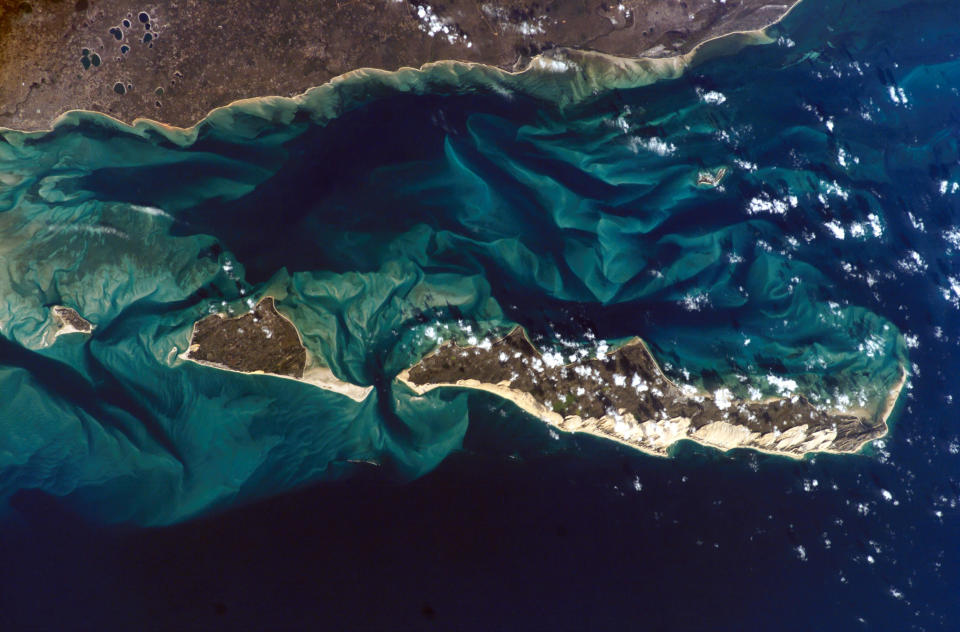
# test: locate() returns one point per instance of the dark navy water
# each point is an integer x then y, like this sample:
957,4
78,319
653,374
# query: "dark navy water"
143,492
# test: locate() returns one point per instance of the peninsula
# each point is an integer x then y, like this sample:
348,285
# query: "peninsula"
175,61
624,396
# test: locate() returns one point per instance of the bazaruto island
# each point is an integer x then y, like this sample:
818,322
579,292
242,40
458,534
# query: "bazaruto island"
400,315
629,399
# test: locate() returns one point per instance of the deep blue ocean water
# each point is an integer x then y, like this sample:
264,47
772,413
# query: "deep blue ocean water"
145,492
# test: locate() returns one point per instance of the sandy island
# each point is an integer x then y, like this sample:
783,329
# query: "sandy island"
68,321
624,396
262,341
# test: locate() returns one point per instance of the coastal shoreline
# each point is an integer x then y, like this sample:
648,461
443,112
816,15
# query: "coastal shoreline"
319,376
633,72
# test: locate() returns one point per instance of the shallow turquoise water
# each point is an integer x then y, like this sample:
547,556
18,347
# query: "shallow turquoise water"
385,209
384,213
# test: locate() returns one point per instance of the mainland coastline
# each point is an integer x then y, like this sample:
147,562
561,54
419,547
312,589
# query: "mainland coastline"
565,77
181,72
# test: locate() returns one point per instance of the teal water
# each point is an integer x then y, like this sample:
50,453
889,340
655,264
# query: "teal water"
387,210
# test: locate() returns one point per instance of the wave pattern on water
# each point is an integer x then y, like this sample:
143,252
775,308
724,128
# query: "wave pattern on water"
387,212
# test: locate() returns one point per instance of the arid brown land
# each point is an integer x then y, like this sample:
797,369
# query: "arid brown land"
175,61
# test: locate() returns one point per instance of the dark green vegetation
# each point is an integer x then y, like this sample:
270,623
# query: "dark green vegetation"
259,340
627,388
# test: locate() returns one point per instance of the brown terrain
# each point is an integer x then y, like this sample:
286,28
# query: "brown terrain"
175,61
625,396
261,340
67,320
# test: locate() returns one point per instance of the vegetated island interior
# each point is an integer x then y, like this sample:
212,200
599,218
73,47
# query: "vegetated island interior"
262,340
623,395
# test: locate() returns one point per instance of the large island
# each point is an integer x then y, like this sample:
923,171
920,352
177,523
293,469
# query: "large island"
623,395
262,341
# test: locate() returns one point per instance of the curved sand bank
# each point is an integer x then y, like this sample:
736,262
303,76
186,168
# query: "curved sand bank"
792,427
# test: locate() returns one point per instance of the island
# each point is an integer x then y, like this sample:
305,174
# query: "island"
173,62
711,178
262,341
67,321
624,395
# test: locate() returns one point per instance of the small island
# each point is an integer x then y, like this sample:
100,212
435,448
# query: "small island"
625,396
68,321
711,178
262,341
